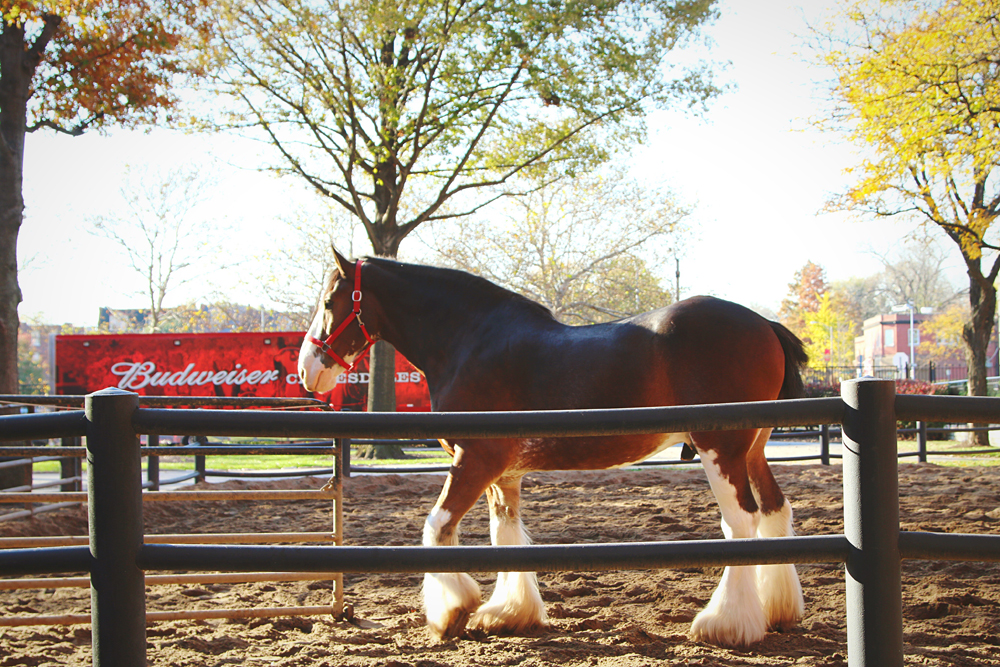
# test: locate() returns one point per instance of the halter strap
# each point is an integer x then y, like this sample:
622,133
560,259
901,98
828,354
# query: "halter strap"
324,345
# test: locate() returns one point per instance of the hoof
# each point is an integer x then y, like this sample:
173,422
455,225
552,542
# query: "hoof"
781,596
449,600
514,608
501,621
727,630
733,616
449,627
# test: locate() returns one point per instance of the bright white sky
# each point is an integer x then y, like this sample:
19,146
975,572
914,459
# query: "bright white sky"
753,171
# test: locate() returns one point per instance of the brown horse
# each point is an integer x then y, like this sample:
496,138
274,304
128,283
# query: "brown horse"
482,347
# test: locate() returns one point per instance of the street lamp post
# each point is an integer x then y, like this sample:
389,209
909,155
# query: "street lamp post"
908,306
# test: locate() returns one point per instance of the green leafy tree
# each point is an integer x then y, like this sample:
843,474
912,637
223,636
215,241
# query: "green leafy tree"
918,87
941,335
829,332
409,112
862,298
31,371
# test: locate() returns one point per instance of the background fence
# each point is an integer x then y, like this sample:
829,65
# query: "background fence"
931,372
70,455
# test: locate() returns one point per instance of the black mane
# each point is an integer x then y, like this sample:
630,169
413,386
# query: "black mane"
458,280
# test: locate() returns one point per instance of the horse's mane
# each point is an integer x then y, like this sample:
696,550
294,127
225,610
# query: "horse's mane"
456,280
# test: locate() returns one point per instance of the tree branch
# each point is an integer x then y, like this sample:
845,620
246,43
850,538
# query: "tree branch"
50,23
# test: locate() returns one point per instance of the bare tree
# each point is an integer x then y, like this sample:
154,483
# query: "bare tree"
163,239
301,258
578,247
915,272
918,274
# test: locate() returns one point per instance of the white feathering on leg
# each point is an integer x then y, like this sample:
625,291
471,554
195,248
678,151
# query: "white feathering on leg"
780,590
449,598
516,605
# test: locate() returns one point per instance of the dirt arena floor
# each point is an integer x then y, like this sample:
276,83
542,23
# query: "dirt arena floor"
621,619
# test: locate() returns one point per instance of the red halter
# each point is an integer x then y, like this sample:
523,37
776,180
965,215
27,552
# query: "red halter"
355,315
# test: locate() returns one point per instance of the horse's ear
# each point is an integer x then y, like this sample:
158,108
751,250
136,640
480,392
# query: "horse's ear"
343,265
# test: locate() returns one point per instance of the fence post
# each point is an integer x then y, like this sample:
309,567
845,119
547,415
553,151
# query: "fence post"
153,464
922,442
199,465
871,524
29,468
339,458
71,467
824,444
345,448
114,494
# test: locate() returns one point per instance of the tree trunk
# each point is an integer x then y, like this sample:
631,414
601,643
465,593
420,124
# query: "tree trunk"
15,78
385,242
381,396
976,334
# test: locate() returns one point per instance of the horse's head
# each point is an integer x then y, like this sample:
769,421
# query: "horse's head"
337,337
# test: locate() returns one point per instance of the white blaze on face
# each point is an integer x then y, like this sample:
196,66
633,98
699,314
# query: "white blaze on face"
315,375
317,370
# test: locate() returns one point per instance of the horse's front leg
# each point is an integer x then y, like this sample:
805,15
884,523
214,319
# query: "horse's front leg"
450,598
516,605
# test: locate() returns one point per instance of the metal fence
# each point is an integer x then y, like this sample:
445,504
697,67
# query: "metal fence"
71,475
872,545
929,372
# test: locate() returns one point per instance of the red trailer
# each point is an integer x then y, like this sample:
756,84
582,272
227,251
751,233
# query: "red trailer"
214,364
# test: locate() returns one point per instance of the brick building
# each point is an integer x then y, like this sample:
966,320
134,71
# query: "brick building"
885,342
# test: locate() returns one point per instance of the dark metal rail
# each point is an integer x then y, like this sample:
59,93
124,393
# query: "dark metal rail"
622,421
43,425
540,558
77,401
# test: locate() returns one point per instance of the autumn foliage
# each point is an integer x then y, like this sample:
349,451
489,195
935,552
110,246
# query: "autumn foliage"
102,61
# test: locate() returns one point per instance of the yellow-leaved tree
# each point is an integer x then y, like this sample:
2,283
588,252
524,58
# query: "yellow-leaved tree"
829,332
918,88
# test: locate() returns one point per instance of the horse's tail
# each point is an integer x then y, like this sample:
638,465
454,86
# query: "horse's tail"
795,359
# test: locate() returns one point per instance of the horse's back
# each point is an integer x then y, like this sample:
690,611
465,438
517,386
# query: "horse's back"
708,350
700,350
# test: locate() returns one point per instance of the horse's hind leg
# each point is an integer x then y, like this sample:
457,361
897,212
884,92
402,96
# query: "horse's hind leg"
516,605
733,616
779,587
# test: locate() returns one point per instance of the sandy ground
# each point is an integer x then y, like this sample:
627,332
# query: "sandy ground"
951,610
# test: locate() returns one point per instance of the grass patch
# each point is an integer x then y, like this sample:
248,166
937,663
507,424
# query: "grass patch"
240,462
955,453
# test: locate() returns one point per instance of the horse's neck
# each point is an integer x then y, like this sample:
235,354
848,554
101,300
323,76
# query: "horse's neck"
427,316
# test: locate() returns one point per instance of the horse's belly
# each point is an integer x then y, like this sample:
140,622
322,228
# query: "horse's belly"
667,440
597,453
